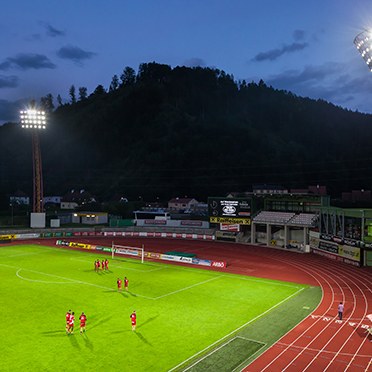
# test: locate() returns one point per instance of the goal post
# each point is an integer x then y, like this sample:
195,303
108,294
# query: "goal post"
119,250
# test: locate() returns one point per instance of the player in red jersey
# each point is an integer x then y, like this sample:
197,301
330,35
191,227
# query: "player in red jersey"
118,282
133,318
83,320
126,283
68,315
98,264
71,323
103,264
106,264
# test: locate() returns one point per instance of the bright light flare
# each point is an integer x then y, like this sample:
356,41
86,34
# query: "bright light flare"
33,119
363,43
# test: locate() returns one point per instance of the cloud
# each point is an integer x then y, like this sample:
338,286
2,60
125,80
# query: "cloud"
310,73
274,54
194,62
74,53
334,82
298,35
8,81
53,32
27,61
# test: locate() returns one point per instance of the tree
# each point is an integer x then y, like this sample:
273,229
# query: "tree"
114,83
46,102
100,90
128,77
83,93
72,94
59,100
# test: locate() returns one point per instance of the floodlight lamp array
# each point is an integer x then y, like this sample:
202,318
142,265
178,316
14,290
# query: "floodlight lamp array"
363,43
33,119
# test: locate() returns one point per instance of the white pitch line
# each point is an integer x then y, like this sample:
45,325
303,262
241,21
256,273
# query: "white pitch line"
39,281
220,347
235,330
186,288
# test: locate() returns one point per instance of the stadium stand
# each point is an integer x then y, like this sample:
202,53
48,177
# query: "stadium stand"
288,218
274,217
304,219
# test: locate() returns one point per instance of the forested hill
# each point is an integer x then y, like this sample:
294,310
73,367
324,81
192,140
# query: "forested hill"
166,132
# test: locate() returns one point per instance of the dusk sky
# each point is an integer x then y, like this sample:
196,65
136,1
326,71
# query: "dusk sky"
305,47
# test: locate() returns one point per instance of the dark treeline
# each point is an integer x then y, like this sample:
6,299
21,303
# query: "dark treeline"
164,132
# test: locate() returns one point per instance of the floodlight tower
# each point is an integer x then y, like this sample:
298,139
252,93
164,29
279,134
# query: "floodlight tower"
363,42
35,120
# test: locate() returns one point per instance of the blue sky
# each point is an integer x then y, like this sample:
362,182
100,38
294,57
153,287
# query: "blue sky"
301,46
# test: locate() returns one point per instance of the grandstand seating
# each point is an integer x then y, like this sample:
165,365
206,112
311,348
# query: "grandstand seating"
305,219
274,217
289,218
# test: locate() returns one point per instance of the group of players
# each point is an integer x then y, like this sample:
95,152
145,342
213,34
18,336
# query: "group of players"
101,265
70,315
70,322
119,283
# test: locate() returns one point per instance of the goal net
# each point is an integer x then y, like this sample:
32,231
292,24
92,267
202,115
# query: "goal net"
123,250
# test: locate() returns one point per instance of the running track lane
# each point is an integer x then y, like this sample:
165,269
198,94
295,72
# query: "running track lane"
321,342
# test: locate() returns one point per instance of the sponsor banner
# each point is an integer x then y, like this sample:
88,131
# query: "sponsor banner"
197,261
27,236
191,223
155,222
106,249
109,233
230,220
79,245
230,227
219,264
99,248
340,240
127,251
335,257
7,237
153,255
314,242
328,247
62,242
167,257
351,253
184,259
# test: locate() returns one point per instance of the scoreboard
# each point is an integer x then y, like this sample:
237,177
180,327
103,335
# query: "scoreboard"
230,210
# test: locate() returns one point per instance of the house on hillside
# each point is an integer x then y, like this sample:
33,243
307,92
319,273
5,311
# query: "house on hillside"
181,204
74,199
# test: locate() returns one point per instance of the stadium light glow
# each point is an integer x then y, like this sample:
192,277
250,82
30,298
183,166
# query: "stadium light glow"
33,119
363,42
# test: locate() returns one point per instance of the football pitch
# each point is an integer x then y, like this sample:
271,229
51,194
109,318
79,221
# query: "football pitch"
187,318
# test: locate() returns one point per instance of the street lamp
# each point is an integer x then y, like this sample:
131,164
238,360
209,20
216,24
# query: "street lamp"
363,42
35,120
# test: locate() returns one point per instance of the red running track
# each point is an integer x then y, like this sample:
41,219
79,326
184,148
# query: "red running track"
320,342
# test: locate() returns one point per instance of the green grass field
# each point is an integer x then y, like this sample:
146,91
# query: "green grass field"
185,316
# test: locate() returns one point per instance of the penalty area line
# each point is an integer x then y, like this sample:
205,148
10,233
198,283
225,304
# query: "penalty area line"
235,330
